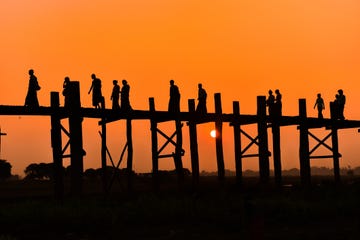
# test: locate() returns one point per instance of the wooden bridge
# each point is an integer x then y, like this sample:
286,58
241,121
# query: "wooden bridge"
75,114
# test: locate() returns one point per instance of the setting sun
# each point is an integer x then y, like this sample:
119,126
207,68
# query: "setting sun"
213,133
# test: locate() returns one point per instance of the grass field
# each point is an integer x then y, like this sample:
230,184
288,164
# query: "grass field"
324,211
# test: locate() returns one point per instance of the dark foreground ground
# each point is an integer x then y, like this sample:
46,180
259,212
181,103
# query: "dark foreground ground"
324,211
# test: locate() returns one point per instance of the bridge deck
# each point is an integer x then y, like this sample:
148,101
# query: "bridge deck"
161,116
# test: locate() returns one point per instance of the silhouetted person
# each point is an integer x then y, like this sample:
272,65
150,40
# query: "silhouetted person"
31,99
278,103
115,95
97,97
66,91
174,102
335,110
270,102
201,107
125,92
319,103
341,104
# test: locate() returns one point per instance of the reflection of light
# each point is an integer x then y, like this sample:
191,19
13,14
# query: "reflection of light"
213,133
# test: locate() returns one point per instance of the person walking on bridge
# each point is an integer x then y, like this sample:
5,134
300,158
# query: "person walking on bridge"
320,106
174,102
201,107
125,96
97,97
115,95
31,99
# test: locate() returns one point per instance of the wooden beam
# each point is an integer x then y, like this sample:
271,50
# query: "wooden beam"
154,146
130,155
193,145
76,142
56,145
218,139
304,145
335,145
264,166
237,144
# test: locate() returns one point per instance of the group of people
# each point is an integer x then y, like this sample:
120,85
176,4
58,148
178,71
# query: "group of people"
174,102
117,94
338,109
98,99
274,104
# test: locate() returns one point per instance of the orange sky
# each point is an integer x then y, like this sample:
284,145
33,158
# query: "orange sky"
238,48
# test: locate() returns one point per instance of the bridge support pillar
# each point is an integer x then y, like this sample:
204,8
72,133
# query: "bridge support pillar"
304,145
263,140
154,145
193,145
218,139
76,142
335,144
57,146
237,144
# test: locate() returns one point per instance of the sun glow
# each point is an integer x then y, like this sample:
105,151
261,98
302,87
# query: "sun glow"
213,133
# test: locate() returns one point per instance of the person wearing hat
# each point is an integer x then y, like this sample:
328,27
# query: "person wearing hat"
115,96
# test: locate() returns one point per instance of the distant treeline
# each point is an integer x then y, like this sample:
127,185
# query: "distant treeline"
315,171
45,171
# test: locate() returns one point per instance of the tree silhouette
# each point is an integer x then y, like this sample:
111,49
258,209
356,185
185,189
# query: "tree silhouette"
39,171
5,170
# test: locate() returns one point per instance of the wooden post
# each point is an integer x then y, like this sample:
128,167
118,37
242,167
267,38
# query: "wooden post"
57,146
304,145
193,144
178,152
103,153
237,143
154,145
130,154
218,129
264,166
76,144
276,151
335,144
